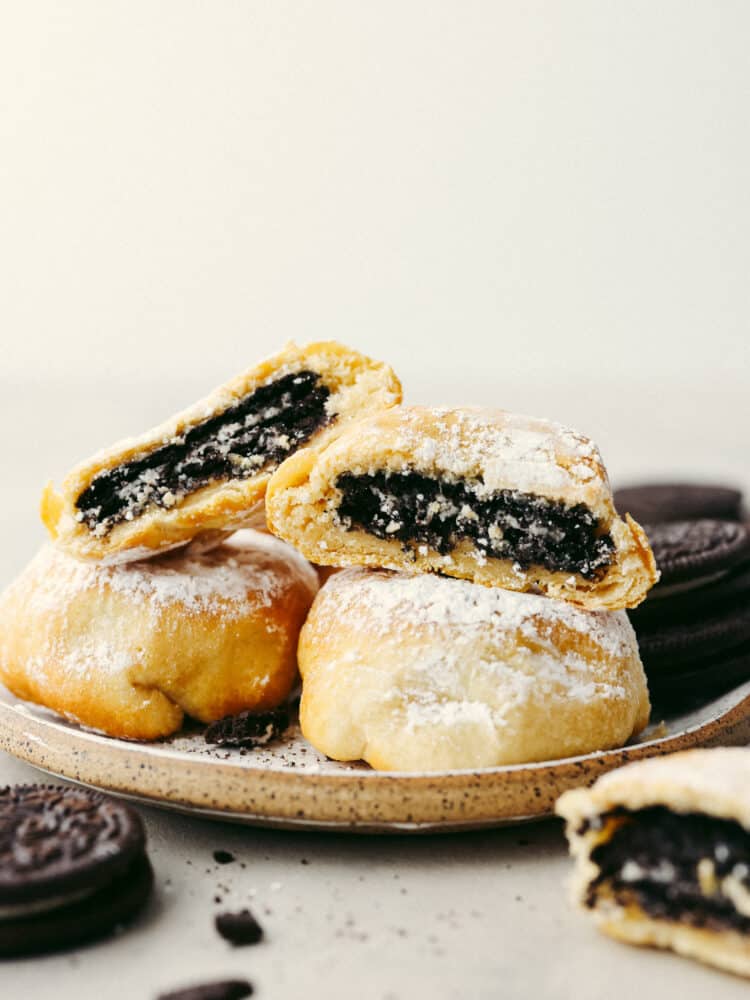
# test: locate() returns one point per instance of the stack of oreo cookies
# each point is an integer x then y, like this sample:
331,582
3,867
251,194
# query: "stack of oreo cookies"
694,628
73,867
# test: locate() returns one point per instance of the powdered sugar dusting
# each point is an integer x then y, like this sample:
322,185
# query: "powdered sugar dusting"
504,449
431,601
235,577
436,672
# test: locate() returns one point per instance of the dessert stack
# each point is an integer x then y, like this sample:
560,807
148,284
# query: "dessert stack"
148,605
476,576
484,623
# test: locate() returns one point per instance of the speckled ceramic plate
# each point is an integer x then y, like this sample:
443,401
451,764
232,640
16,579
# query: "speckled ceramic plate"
288,784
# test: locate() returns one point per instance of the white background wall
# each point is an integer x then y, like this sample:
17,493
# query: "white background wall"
541,205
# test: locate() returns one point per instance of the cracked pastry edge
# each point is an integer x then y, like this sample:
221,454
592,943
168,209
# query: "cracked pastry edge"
359,385
462,443
712,782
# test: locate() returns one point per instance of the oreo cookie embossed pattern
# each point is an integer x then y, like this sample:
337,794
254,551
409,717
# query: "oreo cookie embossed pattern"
72,867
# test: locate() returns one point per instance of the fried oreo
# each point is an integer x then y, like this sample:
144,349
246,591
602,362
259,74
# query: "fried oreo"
73,866
662,850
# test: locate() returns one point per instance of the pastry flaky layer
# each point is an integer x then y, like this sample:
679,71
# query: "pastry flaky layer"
427,673
129,650
485,495
205,468
662,851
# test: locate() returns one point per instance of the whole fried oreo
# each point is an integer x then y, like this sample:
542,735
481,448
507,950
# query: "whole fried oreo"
72,867
655,503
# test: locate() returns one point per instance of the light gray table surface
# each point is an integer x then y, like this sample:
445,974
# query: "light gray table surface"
479,915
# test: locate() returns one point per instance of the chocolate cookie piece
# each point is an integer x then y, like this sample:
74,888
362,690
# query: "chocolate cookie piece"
655,503
691,551
248,729
239,928
72,867
224,989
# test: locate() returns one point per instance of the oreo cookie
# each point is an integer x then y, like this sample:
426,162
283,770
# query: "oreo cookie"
73,866
687,641
689,552
697,680
694,628
655,503
693,602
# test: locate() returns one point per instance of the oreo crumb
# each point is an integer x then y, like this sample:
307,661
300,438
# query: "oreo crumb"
223,857
248,729
224,989
239,928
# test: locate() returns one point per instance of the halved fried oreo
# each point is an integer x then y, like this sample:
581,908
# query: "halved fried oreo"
206,469
662,852
485,495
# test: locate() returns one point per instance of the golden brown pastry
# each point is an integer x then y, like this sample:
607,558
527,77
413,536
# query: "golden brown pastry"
425,673
205,469
662,850
489,496
130,649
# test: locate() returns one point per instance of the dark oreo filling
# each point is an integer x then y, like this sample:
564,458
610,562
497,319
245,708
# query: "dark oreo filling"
652,859
531,530
260,430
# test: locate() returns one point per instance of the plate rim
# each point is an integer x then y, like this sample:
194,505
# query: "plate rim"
26,734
